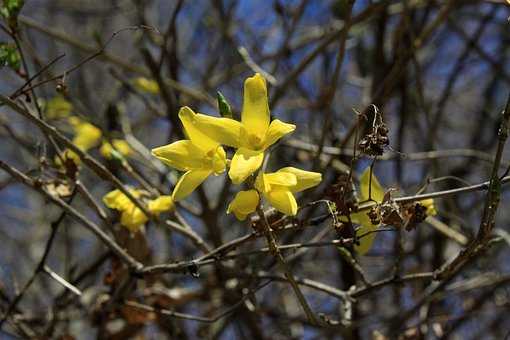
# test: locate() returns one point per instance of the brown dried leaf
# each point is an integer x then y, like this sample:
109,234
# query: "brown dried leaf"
135,315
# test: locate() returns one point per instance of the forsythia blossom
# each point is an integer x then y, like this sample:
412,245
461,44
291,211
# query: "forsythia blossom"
202,155
146,85
277,188
429,204
252,136
58,107
243,204
131,216
116,145
199,156
86,136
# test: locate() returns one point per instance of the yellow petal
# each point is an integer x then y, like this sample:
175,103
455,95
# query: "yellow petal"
243,204
112,198
122,147
305,179
189,182
161,204
373,187
182,155
86,136
277,130
192,129
244,163
224,131
117,200
219,161
261,184
366,226
429,204
68,154
146,85
285,179
283,201
106,150
58,107
133,218
255,114
118,145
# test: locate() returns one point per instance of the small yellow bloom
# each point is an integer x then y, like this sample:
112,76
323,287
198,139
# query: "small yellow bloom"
131,216
278,188
252,136
68,154
429,204
86,135
58,107
372,188
199,156
161,204
244,204
119,145
146,85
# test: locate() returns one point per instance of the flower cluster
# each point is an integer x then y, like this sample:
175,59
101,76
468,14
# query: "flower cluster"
85,135
202,154
133,217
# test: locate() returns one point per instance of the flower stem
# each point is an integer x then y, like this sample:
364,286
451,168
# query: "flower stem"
273,247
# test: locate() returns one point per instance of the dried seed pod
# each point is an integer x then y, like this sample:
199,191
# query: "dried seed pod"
376,139
373,214
390,214
342,193
415,213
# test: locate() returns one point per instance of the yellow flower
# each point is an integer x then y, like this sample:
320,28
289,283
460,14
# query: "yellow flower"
366,228
118,145
199,156
131,216
252,136
146,85
86,135
161,204
278,189
58,107
429,204
244,204
68,154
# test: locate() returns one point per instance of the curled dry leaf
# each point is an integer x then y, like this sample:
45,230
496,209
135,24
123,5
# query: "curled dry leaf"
58,189
137,316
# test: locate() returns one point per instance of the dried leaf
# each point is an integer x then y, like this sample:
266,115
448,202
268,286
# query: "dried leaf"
58,189
135,315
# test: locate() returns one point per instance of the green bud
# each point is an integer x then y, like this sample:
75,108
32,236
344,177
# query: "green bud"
10,10
223,106
9,56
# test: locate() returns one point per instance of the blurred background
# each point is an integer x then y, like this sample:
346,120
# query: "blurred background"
438,74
